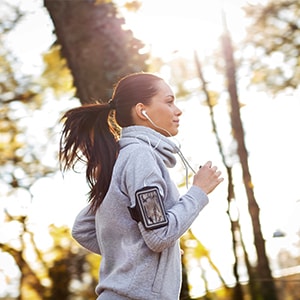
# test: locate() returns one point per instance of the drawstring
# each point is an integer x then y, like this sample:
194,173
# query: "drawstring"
186,164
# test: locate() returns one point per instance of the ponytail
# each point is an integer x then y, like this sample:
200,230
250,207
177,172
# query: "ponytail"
89,135
91,132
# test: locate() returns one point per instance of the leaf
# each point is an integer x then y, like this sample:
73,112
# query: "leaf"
57,75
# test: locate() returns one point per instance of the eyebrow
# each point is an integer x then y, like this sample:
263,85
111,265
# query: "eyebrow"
171,96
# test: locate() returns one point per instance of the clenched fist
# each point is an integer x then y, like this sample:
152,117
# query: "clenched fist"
207,178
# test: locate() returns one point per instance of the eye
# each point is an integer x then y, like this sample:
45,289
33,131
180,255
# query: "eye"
170,100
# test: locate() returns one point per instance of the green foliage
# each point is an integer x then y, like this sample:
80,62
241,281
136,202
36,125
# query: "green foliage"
272,44
97,46
133,5
71,264
30,107
12,91
61,270
24,99
56,74
29,117
194,253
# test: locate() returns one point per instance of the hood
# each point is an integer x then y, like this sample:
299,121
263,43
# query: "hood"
165,147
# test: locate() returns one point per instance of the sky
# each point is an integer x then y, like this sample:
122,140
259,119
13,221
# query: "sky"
271,126
173,25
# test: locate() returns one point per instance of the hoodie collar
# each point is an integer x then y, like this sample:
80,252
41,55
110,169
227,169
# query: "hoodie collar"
165,147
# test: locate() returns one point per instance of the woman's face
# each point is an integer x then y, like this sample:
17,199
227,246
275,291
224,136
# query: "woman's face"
163,112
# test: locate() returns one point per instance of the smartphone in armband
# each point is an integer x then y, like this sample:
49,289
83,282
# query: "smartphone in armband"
149,208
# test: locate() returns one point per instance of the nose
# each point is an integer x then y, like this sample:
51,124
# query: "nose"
178,111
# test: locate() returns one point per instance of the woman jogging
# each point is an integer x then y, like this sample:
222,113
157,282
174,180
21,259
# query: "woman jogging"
135,215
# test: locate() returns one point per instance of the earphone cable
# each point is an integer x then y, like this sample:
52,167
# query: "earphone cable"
179,152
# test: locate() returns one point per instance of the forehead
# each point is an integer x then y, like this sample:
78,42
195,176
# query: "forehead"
164,89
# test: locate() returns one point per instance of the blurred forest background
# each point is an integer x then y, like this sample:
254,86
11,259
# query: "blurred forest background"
237,82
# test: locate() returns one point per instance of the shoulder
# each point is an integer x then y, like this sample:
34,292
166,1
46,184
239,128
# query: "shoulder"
135,153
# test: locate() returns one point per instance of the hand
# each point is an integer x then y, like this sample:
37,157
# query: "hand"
207,178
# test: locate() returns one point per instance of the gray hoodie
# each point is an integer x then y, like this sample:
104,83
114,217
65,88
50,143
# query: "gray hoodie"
138,263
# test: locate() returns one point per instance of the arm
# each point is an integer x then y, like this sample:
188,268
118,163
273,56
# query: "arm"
84,231
145,169
180,217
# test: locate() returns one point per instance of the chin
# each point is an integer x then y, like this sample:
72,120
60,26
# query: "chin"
174,132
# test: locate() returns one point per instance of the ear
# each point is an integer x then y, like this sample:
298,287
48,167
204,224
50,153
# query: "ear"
139,107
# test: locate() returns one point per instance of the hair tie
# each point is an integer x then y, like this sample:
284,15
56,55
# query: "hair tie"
112,104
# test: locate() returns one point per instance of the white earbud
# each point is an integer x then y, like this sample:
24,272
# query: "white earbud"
148,118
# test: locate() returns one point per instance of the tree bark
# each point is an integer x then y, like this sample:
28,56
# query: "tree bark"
265,281
235,228
97,49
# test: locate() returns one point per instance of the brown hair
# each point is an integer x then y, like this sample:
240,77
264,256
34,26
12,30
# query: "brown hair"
90,133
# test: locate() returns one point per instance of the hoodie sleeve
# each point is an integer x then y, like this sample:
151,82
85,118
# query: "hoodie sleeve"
84,231
146,169
180,218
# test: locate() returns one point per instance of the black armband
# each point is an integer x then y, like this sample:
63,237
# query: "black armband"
149,208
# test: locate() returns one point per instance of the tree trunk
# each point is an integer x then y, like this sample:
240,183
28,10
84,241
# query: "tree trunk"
235,228
265,281
98,51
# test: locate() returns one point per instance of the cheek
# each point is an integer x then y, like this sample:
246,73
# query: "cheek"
165,116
